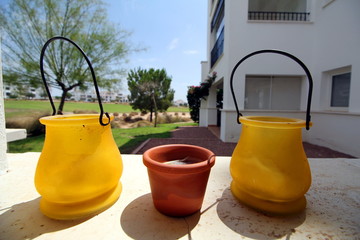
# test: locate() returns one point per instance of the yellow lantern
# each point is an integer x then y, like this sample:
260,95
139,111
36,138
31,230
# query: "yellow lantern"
80,165
269,167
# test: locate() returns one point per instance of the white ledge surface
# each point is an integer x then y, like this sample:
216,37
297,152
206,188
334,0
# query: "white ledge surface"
14,134
333,210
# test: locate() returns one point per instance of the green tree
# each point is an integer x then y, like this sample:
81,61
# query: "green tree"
150,90
27,24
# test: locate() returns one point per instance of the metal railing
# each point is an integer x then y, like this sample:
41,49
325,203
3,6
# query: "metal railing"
279,16
217,49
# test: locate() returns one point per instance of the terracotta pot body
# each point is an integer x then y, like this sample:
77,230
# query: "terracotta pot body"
79,168
178,190
269,167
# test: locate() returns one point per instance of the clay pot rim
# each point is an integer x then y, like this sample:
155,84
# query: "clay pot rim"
73,119
178,169
273,122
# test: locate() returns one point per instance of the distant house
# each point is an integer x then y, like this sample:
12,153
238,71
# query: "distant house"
179,102
106,96
324,34
12,91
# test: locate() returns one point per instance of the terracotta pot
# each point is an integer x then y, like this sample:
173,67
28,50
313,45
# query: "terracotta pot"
178,176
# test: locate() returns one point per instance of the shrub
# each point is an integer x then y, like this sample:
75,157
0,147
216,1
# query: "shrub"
31,123
79,111
168,118
129,119
196,93
133,114
142,123
114,124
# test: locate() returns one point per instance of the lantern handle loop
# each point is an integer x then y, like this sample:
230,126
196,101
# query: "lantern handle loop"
92,73
308,74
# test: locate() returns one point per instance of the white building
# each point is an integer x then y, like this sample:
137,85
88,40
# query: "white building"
12,91
324,34
106,96
179,102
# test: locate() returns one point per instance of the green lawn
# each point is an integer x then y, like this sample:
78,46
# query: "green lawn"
16,108
126,139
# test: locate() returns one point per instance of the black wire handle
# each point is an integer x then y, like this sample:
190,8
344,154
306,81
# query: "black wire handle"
308,117
92,73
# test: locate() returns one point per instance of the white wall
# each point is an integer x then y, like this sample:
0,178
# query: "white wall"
243,37
328,42
337,131
3,143
336,45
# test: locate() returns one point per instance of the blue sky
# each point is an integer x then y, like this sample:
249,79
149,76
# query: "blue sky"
174,33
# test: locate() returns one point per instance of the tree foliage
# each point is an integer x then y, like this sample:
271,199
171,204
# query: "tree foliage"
27,24
150,90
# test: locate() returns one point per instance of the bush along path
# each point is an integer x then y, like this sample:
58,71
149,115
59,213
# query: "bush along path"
196,93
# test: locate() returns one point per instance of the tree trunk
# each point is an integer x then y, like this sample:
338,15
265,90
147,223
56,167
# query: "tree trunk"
62,102
151,115
63,95
155,106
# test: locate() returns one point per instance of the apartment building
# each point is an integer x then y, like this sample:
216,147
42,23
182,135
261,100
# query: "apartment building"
12,91
323,34
22,92
106,96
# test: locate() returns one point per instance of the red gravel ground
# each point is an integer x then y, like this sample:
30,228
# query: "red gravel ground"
202,136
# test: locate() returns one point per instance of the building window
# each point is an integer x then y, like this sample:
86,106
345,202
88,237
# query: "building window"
278,10
217,31
218,15
273,92
340,90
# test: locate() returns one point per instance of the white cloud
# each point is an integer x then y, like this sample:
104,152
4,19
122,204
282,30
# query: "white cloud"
173,44
191,52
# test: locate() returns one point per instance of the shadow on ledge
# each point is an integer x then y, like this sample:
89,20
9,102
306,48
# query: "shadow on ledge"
140,220
252,224
25,221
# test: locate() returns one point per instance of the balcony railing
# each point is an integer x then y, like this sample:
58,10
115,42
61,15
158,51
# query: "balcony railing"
217,49
279,16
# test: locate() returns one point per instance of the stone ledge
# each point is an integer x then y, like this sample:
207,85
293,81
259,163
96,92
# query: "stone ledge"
14,134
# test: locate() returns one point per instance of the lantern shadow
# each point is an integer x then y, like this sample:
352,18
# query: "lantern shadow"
25,221
252,224
141,220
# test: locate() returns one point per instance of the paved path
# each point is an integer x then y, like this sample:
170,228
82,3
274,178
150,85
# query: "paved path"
202,136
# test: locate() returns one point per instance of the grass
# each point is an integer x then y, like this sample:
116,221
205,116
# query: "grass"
18,108
126,139
30,144
71,106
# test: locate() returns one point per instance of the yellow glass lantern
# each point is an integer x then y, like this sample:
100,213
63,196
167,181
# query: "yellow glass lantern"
269,166
80,165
